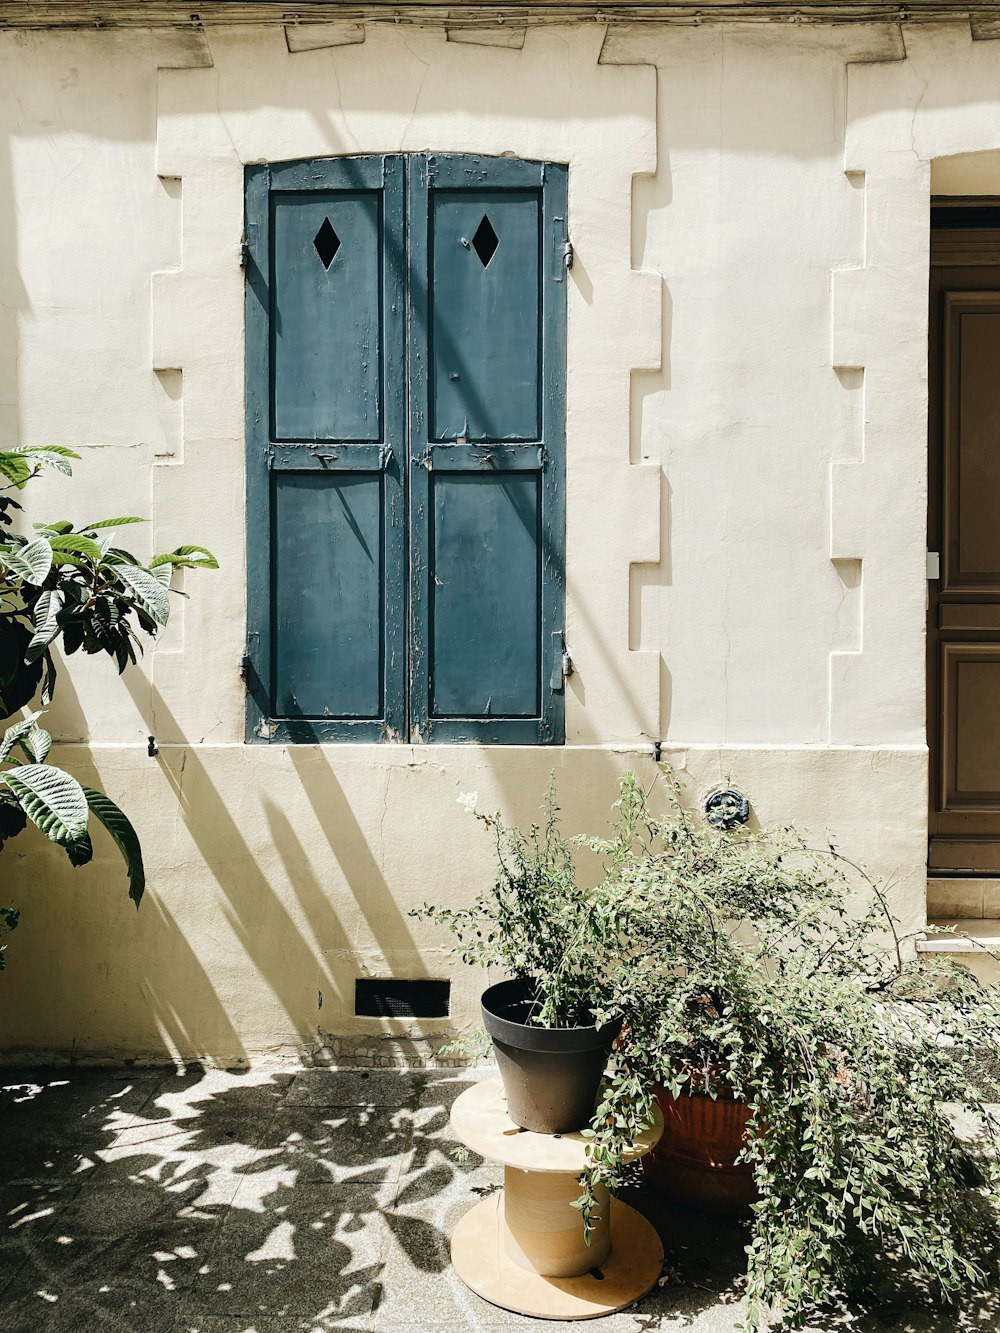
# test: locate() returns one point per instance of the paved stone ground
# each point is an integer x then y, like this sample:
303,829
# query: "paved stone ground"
211,1202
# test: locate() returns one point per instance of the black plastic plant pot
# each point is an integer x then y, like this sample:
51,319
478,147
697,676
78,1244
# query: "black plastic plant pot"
550,1075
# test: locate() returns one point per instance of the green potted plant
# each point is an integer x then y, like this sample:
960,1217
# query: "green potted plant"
539,926
74,586
768,976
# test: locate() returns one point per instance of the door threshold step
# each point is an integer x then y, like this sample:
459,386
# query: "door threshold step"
952,896
971,936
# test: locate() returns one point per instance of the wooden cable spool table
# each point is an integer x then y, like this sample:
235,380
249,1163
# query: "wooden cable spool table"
523,1247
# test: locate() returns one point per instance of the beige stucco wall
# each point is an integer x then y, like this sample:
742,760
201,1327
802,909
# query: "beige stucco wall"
746,477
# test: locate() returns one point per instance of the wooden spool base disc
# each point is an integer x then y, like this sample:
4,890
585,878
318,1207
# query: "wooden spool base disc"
630,1270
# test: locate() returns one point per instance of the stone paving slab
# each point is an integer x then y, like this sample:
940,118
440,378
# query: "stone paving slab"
28,1155
306,1250
33,1206
127,1281
54,1122
333,1144
355,1087
165,1150
77,1100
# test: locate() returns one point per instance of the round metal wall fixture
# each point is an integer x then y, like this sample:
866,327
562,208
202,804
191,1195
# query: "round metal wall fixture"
726,808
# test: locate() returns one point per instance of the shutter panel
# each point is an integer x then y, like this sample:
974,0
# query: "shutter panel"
487,368
326,446
485,557
325,314
328,580
484,314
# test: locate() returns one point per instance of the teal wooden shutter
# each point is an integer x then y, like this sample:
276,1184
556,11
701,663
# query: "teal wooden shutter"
487,349
326,442
406,512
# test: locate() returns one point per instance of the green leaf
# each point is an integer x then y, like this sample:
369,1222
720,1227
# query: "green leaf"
46,618
31,450
111,523
63,526
14,733
117,824
72,639
56,460
186,557
49,683
51,798
117,555
81,851
36,745
75,541
107,611
17,470
56,455
31,562
148,591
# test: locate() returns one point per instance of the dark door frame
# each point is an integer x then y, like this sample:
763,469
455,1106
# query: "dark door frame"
965,233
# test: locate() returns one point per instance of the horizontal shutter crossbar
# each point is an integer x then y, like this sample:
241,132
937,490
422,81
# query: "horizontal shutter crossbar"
328,457
485,457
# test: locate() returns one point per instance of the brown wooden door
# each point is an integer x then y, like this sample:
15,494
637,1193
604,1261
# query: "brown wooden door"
963,625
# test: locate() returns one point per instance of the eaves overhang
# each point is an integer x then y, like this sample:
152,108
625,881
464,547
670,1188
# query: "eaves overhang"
96,14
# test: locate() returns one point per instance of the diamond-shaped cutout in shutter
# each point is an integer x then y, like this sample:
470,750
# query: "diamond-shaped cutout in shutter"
485,241
327,243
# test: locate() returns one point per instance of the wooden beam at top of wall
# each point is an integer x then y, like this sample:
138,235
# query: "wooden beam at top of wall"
33,14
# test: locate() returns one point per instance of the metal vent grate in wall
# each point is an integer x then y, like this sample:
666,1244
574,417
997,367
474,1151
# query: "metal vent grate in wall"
377,997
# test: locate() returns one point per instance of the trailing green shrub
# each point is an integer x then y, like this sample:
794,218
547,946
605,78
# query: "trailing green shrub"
758,960
761,964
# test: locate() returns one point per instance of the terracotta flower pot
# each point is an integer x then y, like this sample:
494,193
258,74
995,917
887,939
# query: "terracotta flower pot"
695,1160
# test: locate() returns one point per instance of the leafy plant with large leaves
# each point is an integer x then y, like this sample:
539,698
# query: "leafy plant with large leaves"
75,586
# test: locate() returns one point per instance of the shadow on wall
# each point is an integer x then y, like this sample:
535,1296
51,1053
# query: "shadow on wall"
227,964
273,944
285,943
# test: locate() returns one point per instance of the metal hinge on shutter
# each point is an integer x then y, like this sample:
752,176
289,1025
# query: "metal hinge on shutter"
562,663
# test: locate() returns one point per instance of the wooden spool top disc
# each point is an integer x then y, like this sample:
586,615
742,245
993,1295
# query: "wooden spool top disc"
479,1118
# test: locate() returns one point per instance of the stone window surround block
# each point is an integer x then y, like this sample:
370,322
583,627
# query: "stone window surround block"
552,100
894,130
